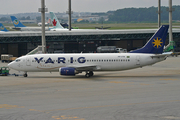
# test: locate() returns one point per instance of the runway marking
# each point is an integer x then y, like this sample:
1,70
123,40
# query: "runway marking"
119,82
144,84
113,105
35,110
64,117
10,106
171,117
169,79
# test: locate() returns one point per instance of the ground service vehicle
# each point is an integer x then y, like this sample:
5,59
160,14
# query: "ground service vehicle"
4,71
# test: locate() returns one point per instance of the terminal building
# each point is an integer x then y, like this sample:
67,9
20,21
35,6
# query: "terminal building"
20,43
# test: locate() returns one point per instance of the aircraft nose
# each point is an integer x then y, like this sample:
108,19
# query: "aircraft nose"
10,65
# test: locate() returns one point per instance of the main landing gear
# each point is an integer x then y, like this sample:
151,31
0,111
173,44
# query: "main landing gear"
25,74
89,74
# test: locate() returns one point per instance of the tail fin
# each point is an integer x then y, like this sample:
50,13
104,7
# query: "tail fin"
156,43
49,21
55,21
16,22
2,28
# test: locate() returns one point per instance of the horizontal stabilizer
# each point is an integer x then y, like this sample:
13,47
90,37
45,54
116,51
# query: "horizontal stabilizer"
166,54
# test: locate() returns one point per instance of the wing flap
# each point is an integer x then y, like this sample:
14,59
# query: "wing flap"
86,68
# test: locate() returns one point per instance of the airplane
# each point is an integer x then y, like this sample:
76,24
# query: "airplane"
55,22
72,64
46,23
58,27
2,28
19,26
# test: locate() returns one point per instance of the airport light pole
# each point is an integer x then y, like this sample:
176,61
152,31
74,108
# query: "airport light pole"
43,10
69,12
170,21
159,13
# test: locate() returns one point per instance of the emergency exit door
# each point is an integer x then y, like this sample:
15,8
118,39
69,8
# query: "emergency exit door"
28,61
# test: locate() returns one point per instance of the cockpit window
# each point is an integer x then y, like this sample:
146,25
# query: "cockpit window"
17,60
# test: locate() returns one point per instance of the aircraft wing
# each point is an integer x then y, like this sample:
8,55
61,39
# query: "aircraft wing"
166,54
86,68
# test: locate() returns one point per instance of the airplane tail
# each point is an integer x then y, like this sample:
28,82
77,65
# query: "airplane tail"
55,21
2,28
16,22
156,43
49,21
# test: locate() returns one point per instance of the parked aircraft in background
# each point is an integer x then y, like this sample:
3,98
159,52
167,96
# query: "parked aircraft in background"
46,23
72,64
2,28
58,27
55,23
19,26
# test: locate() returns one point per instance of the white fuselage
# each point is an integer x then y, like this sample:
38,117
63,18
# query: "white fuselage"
98,61
31,28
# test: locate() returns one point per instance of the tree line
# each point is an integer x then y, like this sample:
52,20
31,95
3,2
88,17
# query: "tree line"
128,15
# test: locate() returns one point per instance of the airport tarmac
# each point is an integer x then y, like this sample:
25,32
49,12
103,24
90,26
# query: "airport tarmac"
148,93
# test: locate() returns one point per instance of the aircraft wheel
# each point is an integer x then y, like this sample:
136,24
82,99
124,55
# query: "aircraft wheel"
25,75
91,73
87,75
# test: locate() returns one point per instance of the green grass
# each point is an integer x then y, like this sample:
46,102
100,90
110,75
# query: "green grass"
113,26
124,25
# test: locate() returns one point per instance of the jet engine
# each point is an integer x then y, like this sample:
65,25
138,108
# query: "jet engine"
67,71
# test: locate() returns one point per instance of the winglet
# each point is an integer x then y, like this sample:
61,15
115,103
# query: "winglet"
55,21
156,43
2,28
16,22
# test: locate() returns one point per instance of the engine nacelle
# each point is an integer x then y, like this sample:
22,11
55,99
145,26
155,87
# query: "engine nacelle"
67,71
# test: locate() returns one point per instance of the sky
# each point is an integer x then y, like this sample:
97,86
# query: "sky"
26,6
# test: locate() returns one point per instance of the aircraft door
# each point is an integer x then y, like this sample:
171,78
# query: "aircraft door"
137,60
28,61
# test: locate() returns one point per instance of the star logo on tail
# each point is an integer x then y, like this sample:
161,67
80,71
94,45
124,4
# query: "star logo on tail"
157,42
